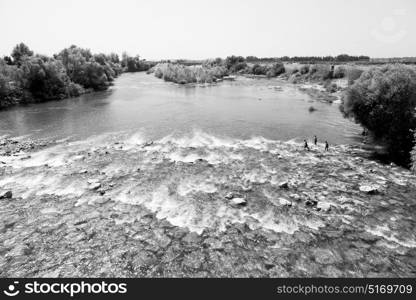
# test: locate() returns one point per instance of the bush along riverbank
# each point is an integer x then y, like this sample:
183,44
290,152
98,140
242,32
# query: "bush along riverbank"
119,206
383,100
321,80
213,70
26,77
181,74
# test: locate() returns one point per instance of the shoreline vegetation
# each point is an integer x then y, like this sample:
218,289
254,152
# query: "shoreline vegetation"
26,77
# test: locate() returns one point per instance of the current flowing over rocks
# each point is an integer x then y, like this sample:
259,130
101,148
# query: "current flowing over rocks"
200,205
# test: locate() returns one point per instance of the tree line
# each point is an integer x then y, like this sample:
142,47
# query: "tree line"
311,59
28,77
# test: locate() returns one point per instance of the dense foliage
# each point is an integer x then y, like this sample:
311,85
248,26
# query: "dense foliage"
383,100
189,74
235,63
269,70
29,77
135,64
90,71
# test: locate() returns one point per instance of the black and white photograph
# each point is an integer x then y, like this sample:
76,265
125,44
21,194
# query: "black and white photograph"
207,139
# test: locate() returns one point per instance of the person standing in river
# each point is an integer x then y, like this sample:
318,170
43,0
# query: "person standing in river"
315,140
306,146
326,146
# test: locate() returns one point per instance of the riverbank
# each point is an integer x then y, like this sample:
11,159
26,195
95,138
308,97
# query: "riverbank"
202,206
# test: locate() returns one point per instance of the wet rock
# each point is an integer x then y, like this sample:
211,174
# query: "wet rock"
247,188
326,256
323,206
238,202
370,189
178,233
6,194
353,254
193,260
229,195
214,244
311,202
192,238
368,237
295,197
279,272
283,185
163,240
102,200
20,250
285,202
147,144
331,271
94,185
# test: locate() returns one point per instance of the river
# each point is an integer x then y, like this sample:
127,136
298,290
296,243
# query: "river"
142,103
154,179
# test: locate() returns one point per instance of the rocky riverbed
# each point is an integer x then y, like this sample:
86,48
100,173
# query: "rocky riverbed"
202,206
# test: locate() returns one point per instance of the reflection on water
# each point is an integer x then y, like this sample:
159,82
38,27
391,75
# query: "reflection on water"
239,109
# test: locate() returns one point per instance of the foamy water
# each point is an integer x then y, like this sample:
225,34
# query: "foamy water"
185,179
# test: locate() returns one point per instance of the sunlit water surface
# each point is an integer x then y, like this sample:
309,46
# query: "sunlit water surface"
139,102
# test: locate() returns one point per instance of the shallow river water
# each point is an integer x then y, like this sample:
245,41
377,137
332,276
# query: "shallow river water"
158,179
140,102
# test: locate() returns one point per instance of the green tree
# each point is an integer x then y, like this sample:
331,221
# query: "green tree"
383,100
46,80
20,51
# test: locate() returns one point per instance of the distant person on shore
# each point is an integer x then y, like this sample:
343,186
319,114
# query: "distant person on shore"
326,146
306,146
315,140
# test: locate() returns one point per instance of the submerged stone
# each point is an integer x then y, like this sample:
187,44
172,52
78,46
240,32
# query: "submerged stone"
323,206
326,256
284,185
285,202
94,185
238,201
369,189
6,195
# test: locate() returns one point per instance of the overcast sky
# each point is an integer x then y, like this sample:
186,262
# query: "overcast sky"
158,29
